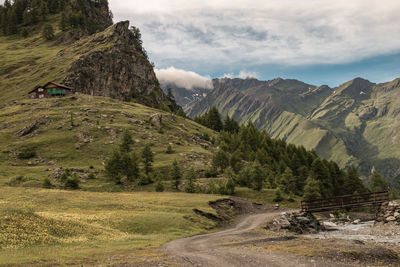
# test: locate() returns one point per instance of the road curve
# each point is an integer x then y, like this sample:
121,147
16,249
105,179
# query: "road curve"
233,247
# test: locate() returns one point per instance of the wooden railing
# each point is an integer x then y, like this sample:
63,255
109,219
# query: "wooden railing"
340,202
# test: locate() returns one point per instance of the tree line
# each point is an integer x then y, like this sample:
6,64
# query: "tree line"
255,160
18,15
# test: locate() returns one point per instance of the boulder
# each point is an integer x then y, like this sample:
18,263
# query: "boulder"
156,120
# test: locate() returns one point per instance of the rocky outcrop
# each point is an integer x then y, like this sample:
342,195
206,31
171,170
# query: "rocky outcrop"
389,212
114,64
299,222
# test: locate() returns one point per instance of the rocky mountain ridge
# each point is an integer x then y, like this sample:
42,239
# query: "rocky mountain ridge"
355,123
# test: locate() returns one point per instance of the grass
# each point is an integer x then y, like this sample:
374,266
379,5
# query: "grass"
64,227
265,196
55,142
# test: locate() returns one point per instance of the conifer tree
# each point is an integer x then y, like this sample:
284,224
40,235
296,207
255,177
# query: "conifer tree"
125,146
311,189
257,175
12,22
288,181
175,174
130,167
63,22
114,166
377,182
147,158
220,160
191,178
48,32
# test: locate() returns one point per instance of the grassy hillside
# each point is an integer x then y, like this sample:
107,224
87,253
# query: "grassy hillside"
50,227
89,139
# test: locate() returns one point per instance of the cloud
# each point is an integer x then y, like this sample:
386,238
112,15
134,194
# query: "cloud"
243,74
182,78
210,35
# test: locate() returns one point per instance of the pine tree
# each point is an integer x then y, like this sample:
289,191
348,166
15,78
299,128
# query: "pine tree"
352,182
220,160
12,22
288,181
175,175
214,119
377,182
43,10
320,172
114,166
130,167
257,175
125,146
230,125
147,158
311,189
48,32
191,178
63,22
278,196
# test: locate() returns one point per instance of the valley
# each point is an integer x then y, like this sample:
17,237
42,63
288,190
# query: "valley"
103,163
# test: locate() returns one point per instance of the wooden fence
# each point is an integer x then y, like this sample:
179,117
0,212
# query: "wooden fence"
340,202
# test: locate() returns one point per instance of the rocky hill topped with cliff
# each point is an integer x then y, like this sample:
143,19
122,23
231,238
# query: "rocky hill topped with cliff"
110,62
116,67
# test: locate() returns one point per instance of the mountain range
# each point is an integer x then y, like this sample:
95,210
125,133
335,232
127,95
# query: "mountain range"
356,123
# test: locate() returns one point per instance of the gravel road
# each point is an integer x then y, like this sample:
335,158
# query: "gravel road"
237,246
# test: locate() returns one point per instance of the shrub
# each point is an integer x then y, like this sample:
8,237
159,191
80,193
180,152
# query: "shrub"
47,183
160,186
91,176
27,153
169,150
72,183
278,196
48,32
16,181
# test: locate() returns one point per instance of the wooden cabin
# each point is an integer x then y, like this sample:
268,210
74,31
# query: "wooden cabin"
51,89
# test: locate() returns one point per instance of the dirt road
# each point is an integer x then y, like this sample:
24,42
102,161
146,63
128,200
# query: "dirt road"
237,246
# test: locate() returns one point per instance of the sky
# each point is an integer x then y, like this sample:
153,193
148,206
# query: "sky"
316,41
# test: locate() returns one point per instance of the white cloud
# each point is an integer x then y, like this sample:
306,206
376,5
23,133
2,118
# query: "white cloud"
247,74
211,34
243,74
183,78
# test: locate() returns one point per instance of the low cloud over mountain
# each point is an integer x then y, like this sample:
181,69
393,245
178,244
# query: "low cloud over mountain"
183,79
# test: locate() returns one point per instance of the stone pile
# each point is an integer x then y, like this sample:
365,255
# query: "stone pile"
299,222
389,212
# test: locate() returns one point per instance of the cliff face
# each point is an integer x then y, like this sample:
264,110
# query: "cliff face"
115,66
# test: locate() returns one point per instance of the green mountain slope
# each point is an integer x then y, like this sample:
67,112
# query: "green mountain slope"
355,123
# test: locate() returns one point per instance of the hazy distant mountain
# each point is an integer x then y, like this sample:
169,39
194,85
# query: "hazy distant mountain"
183,96
356,123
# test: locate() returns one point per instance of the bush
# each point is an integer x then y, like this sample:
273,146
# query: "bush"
27,153
16,181
169,150
47,183
72,183
278,196
91,176
48,32
211,172
160,186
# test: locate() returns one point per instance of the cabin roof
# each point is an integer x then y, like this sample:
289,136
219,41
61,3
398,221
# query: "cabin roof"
54,83
59,85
